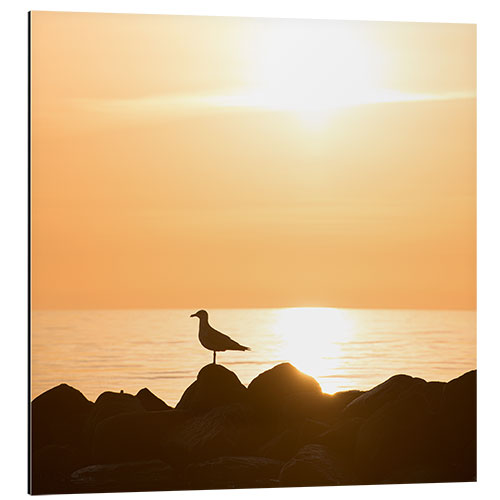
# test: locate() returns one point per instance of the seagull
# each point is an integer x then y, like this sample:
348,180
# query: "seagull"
213,340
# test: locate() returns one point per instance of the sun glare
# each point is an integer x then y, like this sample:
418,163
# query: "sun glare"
306,333
314,70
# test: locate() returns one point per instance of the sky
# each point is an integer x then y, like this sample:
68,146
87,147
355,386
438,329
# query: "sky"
229,162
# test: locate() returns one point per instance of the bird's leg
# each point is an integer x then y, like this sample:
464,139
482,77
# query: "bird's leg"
214,357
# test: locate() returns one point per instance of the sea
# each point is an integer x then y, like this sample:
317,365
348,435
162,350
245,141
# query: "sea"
113,350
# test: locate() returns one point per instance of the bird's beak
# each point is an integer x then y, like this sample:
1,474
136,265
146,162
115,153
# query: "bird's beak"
192,315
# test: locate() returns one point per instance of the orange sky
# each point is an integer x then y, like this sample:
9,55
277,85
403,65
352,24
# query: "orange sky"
218,162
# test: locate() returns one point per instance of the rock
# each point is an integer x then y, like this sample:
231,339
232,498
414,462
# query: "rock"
330,406
284,393
281,431
432,392
459,406
313,465
224,431
109,404
51,467
153,475
342,437
286,444
369,402
136,436
402,434
309,429
215,386
233,472
282,446
58,416
433,472
338,401
150,402
458,420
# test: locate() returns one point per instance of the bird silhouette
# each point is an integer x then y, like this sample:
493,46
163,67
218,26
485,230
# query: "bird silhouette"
214,340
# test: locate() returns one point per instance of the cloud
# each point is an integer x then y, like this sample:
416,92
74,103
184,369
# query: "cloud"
255,99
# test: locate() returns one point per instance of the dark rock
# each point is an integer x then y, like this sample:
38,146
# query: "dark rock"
402,434
313,465
459,406
153,475
215,386
109,404
58,416
369,402
51,469
286,444
310,429
281,431
335,403
233,472
432,472
284,393
432,392
329,407
224,431
458,420
282,446
136,436
341,438
150,402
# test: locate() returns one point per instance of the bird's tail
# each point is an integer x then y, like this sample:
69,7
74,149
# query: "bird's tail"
237,347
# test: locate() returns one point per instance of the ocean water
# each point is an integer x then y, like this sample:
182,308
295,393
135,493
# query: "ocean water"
101,350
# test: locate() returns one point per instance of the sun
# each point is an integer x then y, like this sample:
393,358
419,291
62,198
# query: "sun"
305,334
314,70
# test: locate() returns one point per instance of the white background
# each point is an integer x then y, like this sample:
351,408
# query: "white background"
13,228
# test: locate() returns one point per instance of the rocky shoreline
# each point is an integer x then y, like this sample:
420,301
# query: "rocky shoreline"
280,431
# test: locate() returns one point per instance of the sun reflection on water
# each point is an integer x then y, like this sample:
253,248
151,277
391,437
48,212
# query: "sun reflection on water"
311,338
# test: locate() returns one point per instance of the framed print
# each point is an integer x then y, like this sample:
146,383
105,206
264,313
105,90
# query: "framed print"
253,253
